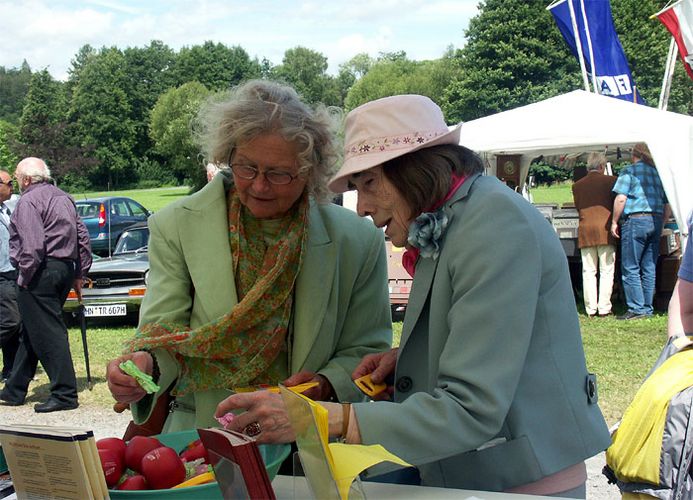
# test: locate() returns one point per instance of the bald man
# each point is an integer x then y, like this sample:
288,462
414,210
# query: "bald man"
49,247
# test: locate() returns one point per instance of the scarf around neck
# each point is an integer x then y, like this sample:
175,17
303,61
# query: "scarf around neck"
237,348
411,254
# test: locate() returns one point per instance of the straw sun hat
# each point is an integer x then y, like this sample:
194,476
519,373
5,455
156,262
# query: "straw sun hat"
387,128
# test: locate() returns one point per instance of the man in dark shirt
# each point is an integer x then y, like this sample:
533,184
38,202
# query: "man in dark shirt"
49,247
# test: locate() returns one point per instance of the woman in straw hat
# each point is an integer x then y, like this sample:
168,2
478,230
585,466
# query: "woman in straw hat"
489,385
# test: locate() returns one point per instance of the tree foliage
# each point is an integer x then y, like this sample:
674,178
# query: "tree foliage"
215,65
514,56
306,70
101,112
171,130
8,133
14,85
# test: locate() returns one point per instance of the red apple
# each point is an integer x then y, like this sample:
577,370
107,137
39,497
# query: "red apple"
112,466
137,482
115,444
137,448
163,468
194,451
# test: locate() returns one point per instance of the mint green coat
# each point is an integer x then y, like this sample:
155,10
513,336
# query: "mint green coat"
491,387
341,308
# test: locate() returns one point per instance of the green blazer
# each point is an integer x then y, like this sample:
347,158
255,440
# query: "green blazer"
491,387
341,308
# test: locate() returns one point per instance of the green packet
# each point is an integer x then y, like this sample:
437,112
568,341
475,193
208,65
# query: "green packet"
142,378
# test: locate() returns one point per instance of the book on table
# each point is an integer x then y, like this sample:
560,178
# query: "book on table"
53,462
238,465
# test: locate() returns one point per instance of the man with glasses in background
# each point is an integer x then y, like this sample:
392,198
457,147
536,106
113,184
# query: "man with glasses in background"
10,320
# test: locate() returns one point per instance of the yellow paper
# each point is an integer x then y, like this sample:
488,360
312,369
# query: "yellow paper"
300,388
346,461
352,459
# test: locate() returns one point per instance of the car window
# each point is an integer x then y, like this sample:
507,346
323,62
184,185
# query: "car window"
87,210
137,209
132,240
120,207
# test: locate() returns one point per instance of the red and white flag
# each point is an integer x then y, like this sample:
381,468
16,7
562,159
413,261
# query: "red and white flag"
678,19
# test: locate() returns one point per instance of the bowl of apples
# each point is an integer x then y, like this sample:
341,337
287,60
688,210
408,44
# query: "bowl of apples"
172,465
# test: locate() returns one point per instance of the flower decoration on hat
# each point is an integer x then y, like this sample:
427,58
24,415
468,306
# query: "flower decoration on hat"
426,231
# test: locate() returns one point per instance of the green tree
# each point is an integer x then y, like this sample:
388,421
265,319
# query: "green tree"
171,131
42,107
149,73
306,71
215,65
514,56
101,112
8,132
14,85
396,74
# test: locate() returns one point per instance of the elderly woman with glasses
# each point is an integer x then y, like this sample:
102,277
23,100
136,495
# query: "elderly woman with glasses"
257,279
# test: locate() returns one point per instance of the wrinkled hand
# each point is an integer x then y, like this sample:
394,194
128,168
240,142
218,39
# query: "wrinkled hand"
123,387
265,408
615,231
323,392
380,366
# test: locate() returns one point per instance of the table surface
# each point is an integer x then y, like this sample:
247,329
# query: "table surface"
288,487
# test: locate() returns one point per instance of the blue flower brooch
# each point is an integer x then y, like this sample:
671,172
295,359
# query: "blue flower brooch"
426,231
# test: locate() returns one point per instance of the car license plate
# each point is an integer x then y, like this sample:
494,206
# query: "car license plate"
105,310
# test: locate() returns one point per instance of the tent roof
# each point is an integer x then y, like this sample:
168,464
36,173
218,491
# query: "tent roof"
581,121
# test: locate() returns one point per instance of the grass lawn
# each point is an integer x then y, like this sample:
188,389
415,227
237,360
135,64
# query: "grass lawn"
620,353
557,193
151,199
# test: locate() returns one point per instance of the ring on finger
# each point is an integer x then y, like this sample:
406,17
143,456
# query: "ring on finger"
253,429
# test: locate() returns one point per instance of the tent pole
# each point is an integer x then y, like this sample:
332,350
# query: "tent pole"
589,46
578,46
668,75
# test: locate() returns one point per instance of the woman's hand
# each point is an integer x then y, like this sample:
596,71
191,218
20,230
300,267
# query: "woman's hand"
322,392
380,366
123,387
265,408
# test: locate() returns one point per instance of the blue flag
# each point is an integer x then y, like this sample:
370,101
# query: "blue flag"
597,36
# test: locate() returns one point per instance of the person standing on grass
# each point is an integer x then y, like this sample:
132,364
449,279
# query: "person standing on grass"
641,206
10,321
49,247
594,202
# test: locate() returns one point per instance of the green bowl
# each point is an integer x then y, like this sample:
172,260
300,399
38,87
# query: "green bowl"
3,463
273,455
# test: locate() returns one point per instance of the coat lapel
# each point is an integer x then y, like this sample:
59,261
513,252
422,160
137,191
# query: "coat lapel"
313,288
204,235
426,269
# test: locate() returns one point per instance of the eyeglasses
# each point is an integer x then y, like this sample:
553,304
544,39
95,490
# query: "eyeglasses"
248,172
8,183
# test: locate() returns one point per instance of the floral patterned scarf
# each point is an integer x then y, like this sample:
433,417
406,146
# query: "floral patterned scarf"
238,348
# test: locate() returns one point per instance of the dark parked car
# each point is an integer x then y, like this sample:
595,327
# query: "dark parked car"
116,285
107,217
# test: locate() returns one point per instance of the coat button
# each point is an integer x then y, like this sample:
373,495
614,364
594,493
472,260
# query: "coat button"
403,384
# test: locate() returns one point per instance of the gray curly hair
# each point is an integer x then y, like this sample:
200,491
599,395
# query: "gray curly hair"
260,106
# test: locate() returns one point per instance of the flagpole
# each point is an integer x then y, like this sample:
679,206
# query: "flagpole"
589,46
668,76
578,45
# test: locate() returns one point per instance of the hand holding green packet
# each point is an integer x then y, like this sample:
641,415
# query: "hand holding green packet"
145,381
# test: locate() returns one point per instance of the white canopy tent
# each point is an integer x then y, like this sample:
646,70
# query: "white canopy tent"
579,122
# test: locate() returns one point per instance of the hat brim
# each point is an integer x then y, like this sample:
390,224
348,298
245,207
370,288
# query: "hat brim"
340,181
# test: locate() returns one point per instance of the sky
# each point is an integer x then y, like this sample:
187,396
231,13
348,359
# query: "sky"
48,33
